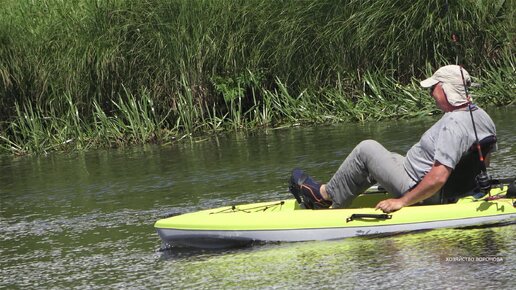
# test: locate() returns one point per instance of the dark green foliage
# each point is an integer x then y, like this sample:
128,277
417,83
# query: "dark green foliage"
185,66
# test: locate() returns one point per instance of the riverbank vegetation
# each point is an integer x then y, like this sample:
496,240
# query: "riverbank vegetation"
85,74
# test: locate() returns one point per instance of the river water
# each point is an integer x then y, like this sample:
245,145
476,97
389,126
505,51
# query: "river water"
85,220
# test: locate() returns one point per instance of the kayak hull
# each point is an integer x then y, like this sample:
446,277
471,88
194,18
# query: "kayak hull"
236,238
286,221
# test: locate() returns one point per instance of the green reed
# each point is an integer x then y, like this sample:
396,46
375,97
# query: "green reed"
82,74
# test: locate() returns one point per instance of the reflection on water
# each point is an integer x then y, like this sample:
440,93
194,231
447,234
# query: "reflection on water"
415,260
85,220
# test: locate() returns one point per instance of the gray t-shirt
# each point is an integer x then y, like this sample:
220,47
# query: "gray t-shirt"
447,141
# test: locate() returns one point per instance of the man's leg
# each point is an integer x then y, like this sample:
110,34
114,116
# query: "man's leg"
368,163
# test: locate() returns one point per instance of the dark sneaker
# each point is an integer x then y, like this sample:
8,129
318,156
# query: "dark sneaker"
307,191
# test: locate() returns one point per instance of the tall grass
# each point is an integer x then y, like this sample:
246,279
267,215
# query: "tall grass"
82,74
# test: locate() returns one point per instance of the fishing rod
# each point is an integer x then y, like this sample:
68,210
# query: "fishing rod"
483,179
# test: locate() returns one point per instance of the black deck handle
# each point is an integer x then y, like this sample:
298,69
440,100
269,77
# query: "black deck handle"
355,216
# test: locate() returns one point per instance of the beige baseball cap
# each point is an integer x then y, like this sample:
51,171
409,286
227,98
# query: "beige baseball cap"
452,83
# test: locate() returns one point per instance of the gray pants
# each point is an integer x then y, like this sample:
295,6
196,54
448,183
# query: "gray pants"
367,164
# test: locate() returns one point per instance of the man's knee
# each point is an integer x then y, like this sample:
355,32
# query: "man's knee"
368,146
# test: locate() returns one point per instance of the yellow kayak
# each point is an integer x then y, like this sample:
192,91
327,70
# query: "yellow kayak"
286,221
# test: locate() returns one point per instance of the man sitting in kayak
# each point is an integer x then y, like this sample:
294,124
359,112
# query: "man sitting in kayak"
427,165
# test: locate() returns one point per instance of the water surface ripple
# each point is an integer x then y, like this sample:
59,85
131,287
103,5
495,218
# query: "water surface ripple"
85,220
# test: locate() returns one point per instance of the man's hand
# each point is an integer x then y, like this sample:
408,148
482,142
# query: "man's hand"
431,183
390,205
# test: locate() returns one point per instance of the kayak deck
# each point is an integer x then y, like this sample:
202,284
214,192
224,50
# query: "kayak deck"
286,221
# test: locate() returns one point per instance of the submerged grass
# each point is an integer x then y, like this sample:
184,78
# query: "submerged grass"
84,74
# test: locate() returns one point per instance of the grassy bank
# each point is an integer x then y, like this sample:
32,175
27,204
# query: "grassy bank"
84,74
